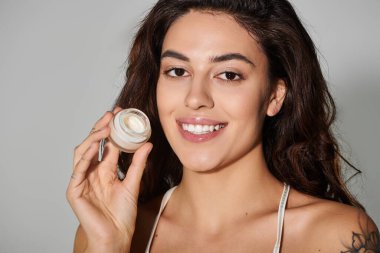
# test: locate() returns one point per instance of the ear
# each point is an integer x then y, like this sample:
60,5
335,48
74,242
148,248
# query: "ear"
276,98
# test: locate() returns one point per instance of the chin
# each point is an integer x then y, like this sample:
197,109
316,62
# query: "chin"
200,163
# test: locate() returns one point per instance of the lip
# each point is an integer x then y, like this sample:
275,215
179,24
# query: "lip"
197,138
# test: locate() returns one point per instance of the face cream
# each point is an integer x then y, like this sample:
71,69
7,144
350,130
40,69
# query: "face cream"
130,129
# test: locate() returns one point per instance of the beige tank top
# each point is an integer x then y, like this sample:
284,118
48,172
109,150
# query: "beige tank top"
280,217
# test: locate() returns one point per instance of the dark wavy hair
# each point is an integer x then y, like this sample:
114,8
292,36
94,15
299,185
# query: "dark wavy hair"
299,146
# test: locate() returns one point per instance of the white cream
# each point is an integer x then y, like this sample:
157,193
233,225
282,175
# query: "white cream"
134,123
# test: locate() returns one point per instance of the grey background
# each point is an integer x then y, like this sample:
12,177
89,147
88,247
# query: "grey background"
62,65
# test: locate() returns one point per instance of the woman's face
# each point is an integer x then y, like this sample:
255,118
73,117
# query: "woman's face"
212,90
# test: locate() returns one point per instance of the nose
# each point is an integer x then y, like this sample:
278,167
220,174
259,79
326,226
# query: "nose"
199,95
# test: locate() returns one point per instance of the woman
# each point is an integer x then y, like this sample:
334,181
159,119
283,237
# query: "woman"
242,146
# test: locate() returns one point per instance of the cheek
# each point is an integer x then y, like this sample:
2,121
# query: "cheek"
163,95
167,101
247,114
159,98
247,104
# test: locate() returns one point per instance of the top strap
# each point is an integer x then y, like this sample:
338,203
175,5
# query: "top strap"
280,217
164,201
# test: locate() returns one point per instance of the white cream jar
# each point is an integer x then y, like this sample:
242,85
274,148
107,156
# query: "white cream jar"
130,129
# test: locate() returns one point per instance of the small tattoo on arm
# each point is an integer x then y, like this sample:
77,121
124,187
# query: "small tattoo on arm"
366,241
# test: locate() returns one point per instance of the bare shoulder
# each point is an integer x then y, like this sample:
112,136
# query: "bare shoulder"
330,226
355,231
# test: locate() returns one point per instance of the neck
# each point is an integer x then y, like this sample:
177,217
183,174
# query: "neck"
214,200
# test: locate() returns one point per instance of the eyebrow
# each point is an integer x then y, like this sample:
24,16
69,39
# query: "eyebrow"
219,58
174,54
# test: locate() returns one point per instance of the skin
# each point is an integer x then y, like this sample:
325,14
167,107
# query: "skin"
219,173
227,200
105,207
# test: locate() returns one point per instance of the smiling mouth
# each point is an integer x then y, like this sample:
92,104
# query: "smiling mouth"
201,129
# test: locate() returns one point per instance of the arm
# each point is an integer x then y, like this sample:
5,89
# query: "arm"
80,243
364,237
105,206
335,227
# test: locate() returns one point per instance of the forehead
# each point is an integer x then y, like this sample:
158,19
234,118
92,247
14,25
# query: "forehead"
210,33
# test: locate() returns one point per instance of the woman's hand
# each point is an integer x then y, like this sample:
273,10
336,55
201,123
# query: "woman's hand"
105,206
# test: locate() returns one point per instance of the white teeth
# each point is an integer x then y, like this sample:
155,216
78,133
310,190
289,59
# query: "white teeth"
201,129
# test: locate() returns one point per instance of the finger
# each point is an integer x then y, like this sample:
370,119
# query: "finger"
99,125
135,171
79,172
93,138
109,163
103,121
111,153
117,109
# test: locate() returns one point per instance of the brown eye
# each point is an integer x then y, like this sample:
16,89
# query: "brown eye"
230,76
179,72
176,72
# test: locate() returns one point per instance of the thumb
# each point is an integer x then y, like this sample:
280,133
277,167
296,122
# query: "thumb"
136,169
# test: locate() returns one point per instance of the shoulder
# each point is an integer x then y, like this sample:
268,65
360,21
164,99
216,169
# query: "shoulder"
329,226
350,228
